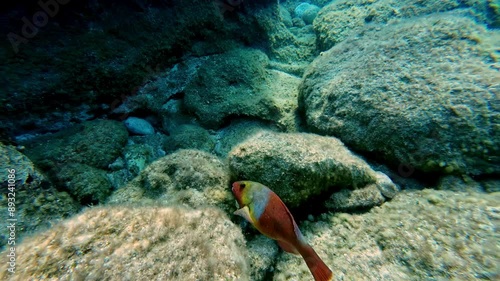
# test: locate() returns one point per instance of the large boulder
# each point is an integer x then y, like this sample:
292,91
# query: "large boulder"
421,93
95,143
127,243
340,19
192,178
299,167
442,235
237,83
88,185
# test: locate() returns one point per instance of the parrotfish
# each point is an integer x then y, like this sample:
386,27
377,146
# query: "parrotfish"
260,206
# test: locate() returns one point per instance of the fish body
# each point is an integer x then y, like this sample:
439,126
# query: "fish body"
260,206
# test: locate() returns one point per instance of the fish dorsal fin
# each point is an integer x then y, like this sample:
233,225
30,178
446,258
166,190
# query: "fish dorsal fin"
245,213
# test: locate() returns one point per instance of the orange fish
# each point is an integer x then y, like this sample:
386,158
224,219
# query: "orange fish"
260,206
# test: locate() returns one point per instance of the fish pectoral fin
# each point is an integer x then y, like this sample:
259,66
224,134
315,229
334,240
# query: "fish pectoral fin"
245,213
287,247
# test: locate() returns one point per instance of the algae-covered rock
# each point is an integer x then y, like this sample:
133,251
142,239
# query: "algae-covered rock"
300,166
307,12
37,203
441,235
95,143
237,83
127,243
262,253
423,93
26,174
137,157
284,45
189,137
189,177
88,185
341,19
237,132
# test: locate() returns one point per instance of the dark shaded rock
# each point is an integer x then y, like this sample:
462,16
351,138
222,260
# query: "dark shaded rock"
95,143
86,184
125,45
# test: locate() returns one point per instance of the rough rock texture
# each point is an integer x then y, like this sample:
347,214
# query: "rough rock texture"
88,185
189,177
136,157
95,143
76,157
37,202
26,173
306,12
156,93
420,235
423,93
284,45
300,166
340,19
127,243
237,132
189,137
262,252
237,83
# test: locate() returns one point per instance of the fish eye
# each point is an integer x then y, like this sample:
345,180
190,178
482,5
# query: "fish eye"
243,185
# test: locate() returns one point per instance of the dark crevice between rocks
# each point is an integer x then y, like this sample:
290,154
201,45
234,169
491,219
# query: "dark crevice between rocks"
88,201
269,275
400,173
234,118
315,206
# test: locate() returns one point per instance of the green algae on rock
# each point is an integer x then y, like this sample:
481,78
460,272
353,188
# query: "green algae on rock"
422,92
299,166
135,243
237,84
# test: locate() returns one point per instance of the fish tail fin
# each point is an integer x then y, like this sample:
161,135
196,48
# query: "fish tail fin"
318,268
